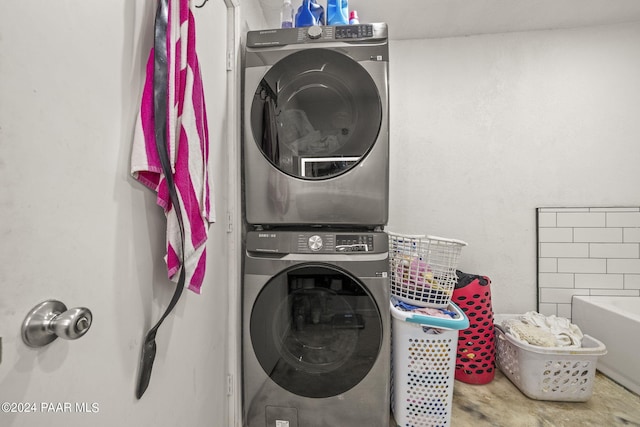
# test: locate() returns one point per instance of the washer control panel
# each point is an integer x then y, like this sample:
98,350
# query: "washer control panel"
354,243
316,242
335,243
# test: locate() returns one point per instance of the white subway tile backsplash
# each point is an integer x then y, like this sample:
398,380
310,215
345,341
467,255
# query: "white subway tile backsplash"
564,250
547,265
586,250
564,310
617,292
555,280
560,296
614,250
632,281
581,219
623,219
546,219
582,265
623,266
631,235
571,209
601,281
548,309
601,235
612,209
555,235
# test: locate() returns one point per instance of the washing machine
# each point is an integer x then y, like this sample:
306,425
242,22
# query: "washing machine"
316,328
315,126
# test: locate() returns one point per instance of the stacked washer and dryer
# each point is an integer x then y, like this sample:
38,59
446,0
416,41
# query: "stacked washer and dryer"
316,325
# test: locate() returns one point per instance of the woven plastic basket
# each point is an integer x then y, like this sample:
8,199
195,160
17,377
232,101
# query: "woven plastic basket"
423,268
548,373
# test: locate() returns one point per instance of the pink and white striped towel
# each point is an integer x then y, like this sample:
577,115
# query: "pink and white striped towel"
188,143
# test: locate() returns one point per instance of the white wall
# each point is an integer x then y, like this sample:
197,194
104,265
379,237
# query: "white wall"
252,16
75,226
485,129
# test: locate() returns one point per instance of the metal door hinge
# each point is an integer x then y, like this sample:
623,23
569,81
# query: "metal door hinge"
229,61
229,385
229,222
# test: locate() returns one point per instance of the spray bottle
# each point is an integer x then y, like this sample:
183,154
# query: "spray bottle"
286,15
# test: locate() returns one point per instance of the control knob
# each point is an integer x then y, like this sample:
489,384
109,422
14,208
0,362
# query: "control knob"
314,32
315,242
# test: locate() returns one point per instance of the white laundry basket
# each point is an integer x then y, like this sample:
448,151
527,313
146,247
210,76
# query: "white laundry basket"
548,373
423,268
423,366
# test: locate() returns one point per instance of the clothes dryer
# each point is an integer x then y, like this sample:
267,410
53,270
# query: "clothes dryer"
315,126
316,329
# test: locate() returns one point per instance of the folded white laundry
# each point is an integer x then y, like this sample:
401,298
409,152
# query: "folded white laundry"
528,333
544,331
567,334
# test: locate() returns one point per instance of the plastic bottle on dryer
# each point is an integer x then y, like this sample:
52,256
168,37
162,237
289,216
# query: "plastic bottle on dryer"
318,12
337,12
353,18
304,17
286,15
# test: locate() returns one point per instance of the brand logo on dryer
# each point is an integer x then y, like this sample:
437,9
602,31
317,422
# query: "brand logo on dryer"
267,235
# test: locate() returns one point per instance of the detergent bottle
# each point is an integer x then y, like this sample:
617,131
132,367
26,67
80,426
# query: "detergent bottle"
318,12
304,17
337,12
353,17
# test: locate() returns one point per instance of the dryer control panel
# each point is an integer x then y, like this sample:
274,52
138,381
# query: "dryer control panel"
366,33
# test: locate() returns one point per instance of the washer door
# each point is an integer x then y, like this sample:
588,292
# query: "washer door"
316,330
316,114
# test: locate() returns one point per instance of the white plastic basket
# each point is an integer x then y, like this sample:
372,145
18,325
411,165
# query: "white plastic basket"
423,366
548,373
423,268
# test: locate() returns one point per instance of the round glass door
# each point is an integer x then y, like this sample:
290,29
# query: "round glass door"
316,114
315,330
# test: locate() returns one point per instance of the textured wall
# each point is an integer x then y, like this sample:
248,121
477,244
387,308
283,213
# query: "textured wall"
485,129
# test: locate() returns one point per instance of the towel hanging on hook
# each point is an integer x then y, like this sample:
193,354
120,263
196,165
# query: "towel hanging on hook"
170,156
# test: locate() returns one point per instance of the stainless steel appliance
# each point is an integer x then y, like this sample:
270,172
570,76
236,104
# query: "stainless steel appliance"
315,126
316,329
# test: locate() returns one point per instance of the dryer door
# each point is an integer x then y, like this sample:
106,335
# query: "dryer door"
316,330
316,114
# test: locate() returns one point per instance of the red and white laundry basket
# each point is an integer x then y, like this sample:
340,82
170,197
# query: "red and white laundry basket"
476,358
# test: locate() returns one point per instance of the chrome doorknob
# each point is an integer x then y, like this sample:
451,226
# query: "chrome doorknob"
51,319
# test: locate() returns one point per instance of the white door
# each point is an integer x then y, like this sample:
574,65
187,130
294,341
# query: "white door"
75,227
